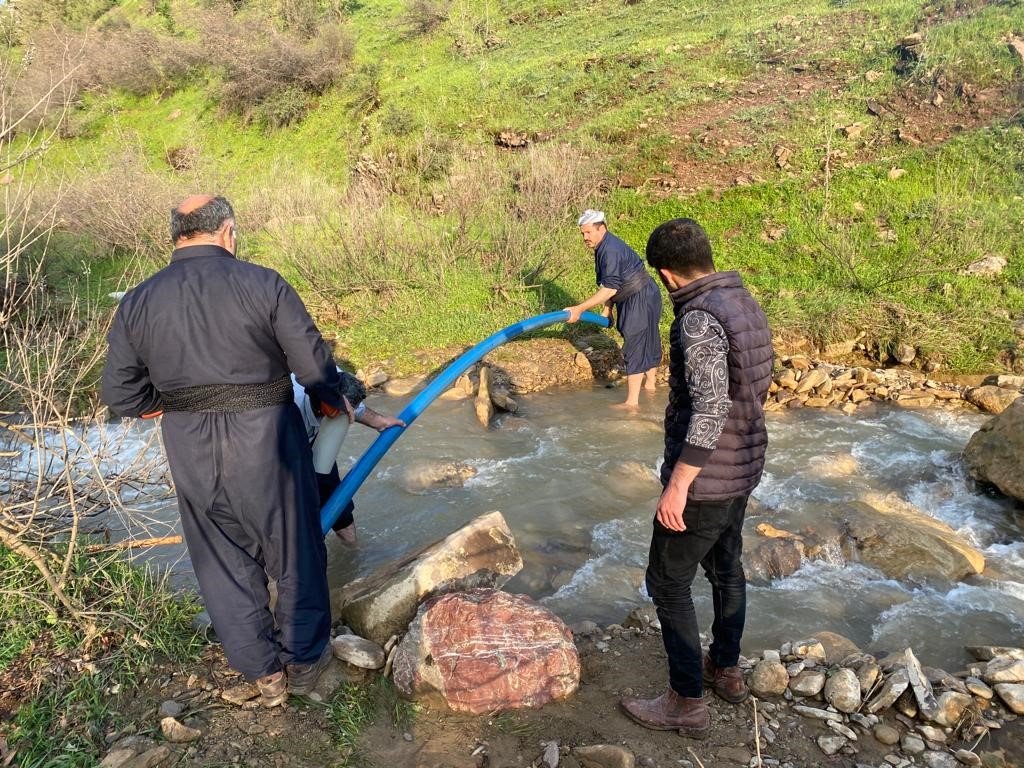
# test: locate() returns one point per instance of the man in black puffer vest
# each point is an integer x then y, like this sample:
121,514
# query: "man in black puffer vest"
715,439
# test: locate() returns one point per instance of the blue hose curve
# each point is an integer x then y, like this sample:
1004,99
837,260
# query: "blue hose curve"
343,494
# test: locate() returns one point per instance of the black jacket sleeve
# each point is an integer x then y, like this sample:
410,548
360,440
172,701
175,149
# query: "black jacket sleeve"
126,387
309,357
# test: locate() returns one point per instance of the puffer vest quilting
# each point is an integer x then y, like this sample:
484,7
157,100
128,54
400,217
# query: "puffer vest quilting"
735,466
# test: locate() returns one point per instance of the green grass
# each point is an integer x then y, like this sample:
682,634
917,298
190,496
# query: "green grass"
139,618
354,707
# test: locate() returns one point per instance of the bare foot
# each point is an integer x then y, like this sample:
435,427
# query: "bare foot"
626,406
348,534
650,390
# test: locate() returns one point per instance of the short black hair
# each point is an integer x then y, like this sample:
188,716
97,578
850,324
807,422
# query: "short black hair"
206,219
680,246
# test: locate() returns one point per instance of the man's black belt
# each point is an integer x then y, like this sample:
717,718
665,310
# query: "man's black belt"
228,398
632,286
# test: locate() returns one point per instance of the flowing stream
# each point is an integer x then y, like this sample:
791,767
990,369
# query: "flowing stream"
577,483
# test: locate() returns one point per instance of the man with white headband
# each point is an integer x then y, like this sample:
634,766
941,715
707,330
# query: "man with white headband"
623,281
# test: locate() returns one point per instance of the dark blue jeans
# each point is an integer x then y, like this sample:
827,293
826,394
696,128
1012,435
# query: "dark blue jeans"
713,539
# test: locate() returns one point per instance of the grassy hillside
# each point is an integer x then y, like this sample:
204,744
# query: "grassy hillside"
783,126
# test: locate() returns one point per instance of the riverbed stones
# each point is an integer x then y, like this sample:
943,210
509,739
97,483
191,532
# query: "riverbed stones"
989,652
604,756
995,453
950,708
1004,670
842,690
769,678
978,687
809,682
481,554
427,474
837,647
810,649
867,676
358,651
903,542
920,685
830,745
966,757
912,744
486,651
935,759
885,734
892,688
1012,695
991,399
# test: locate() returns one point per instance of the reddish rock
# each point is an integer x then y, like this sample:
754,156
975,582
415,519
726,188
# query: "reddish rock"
485,651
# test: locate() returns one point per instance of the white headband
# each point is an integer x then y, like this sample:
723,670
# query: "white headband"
590,216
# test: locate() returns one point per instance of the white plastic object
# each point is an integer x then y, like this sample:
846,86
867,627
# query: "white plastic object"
328,442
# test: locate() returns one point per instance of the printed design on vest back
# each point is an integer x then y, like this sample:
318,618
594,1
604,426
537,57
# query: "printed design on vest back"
706,356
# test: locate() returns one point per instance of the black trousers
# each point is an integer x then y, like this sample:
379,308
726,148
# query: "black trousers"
713,539
249,509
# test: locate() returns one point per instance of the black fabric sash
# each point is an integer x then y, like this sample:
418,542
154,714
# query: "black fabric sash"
632,286
228,398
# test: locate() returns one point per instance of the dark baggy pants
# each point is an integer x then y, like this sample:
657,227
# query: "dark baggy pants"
249,510
713,539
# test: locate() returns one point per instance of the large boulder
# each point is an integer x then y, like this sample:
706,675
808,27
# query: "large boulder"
991,399
903,542
773,558
995,453
486,651
481,554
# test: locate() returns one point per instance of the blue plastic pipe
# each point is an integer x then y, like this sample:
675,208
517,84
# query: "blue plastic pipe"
364,466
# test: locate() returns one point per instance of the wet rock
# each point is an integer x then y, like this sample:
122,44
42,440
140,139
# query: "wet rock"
1004,670
842,690
936,759
358,651
771,559
808,683
991,399
978,688
892,688
885,734
995,453
149,758
178,733
483,405
950,708
426,474
966,757
988,652
932,734
486,651
903,542
481,554
462,389
830,745
604,756
837,647
769,678
912,744
1012,695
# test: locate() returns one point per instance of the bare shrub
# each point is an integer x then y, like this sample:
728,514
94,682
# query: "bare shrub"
422,17
264,66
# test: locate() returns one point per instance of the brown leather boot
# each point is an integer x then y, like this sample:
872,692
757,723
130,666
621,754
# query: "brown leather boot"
670,712
727,682
273,689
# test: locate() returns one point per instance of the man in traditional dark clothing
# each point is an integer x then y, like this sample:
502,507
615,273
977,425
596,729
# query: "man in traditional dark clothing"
720,366
623,282
208,341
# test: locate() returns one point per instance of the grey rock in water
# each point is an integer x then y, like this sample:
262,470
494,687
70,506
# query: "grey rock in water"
1012,695
995,453
842,690
989,652
966,757
1004,670
831,744
936,759
912,744
885,734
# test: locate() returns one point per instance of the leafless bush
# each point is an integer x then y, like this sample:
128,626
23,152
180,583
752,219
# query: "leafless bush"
268,70
424,16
